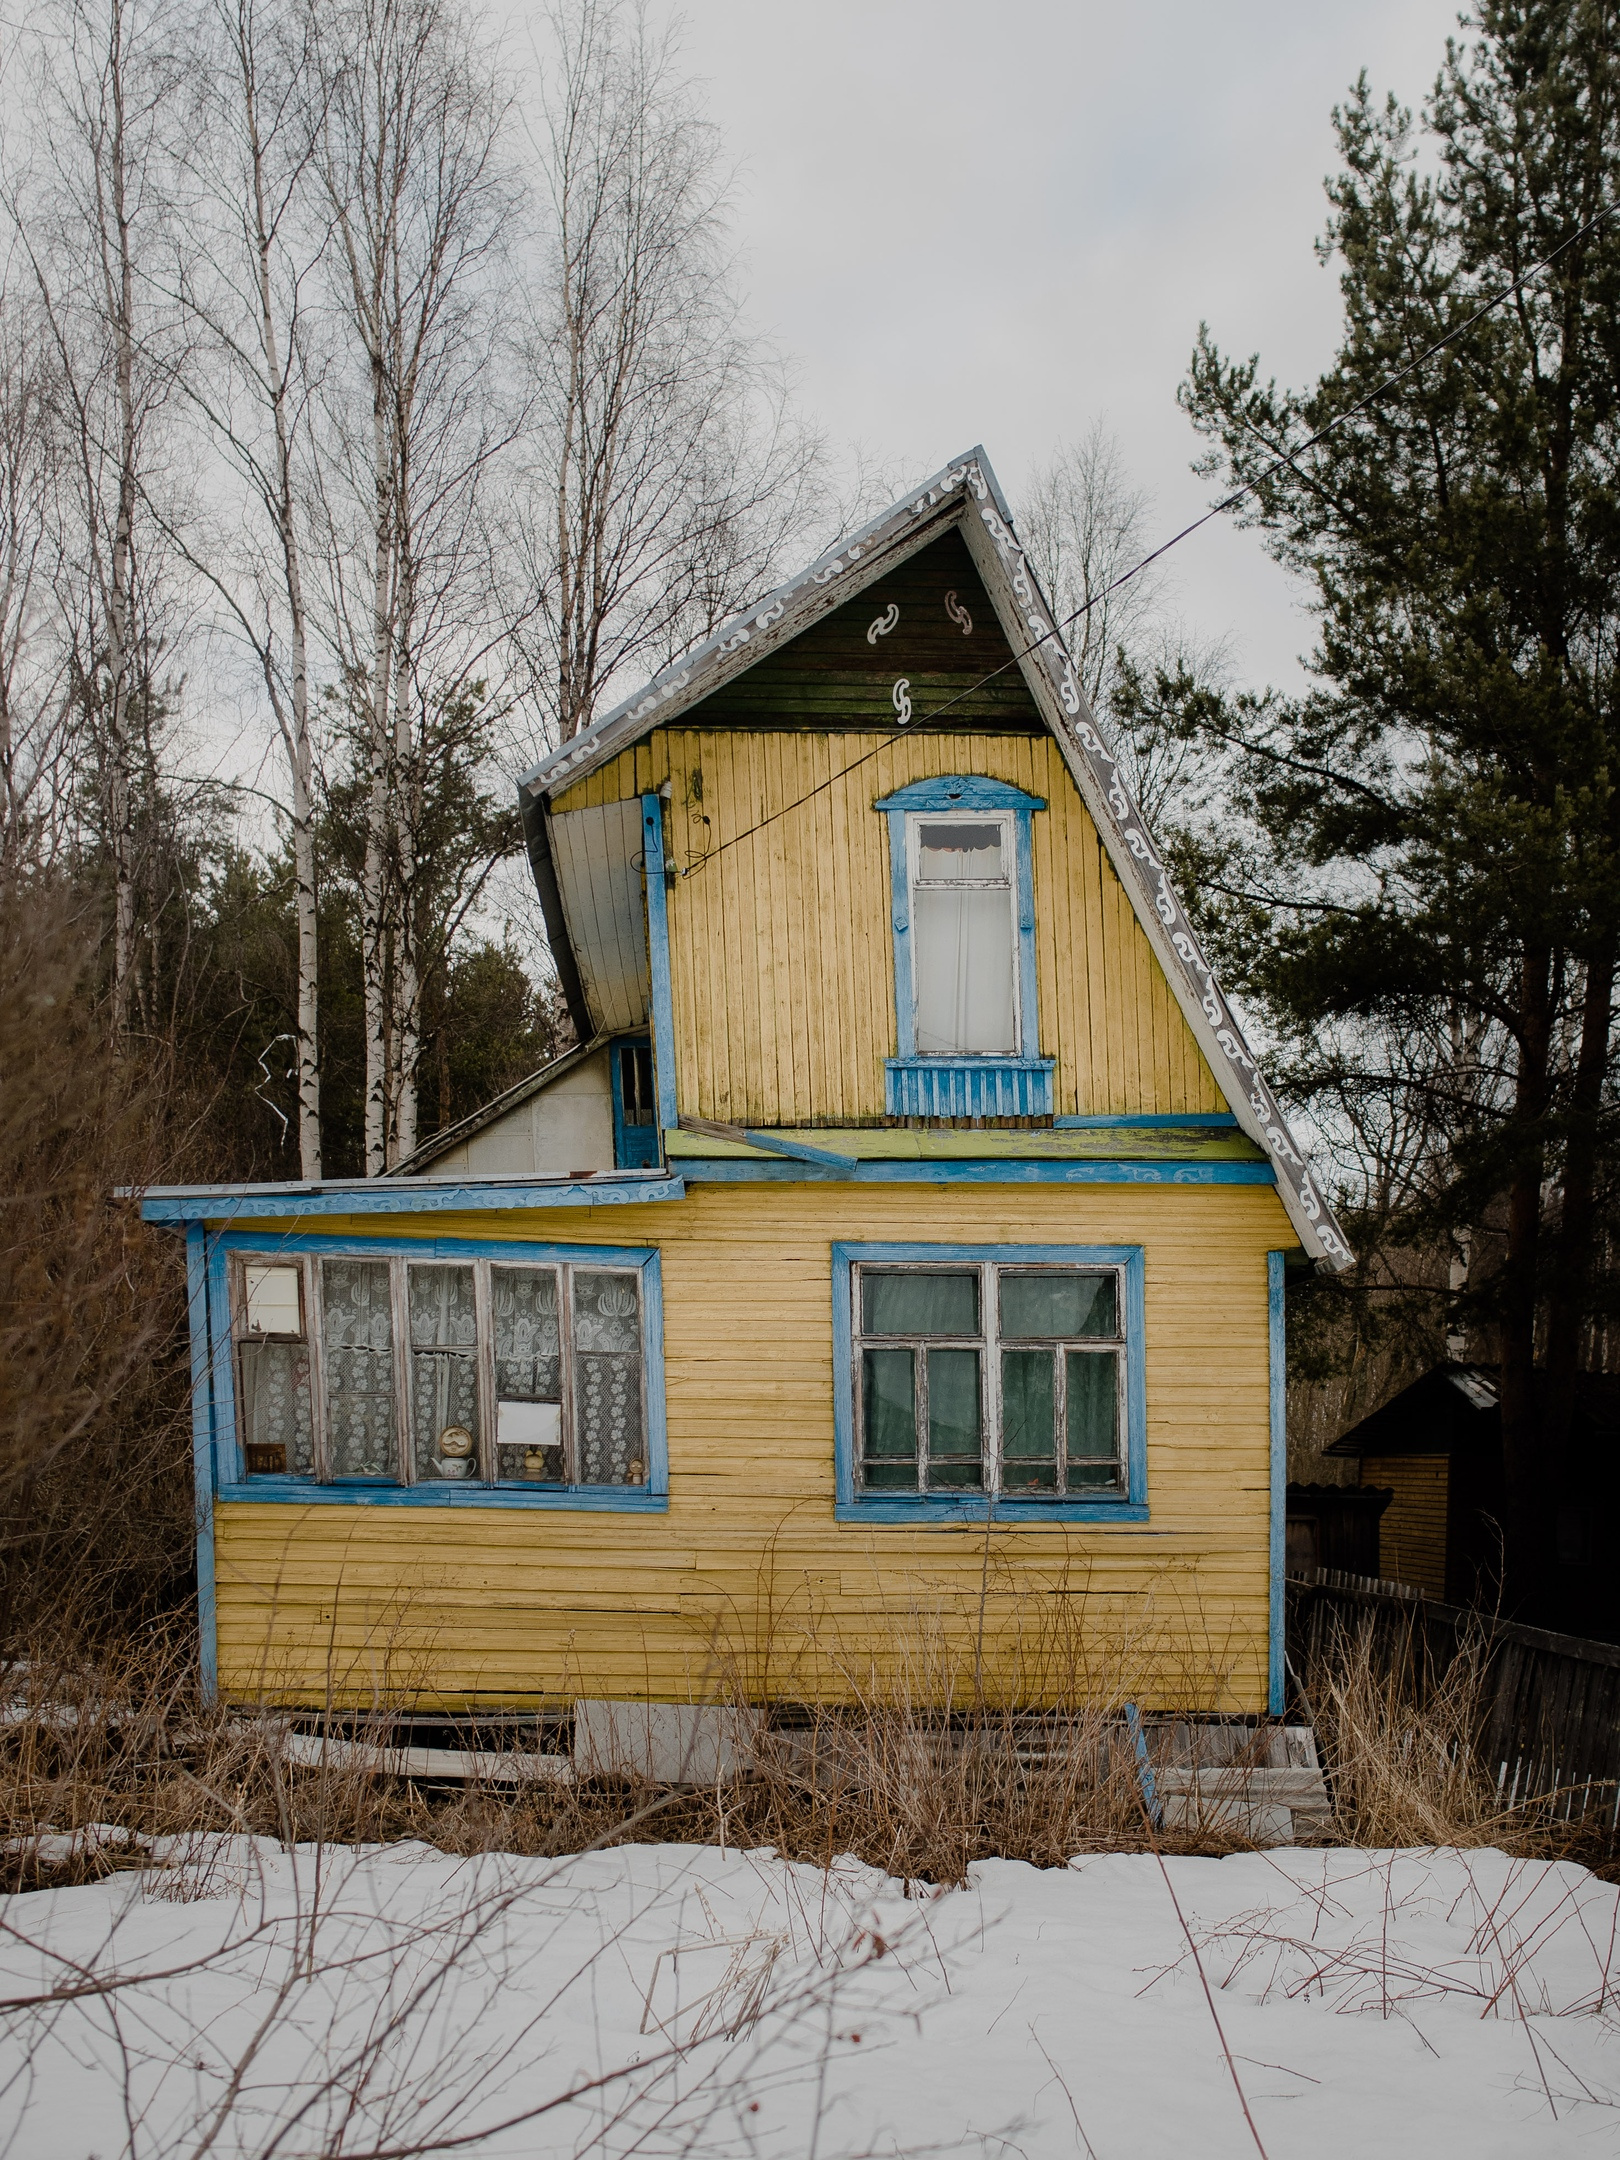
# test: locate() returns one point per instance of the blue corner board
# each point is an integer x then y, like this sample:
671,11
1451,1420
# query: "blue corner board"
1278,1343
663,1000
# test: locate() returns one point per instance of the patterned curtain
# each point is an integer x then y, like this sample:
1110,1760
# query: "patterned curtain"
276,1410
607,1378
358,1342
444,1367
528,1375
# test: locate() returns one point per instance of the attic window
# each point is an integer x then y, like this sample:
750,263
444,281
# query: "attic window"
964,936
963,898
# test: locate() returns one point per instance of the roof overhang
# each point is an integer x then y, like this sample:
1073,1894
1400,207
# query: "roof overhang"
223,1205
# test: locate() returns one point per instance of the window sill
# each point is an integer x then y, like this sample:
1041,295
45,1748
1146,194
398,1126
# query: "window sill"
299,1492
933,1514
968,1087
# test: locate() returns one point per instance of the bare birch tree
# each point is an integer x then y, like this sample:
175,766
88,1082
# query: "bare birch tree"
102,86
668,473
255,236
420,200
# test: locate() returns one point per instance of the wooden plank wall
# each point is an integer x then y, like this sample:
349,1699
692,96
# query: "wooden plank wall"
1412,1529
781,949
748,1576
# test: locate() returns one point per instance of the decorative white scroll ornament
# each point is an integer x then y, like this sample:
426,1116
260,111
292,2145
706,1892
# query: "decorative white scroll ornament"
958,614
884,624
902,703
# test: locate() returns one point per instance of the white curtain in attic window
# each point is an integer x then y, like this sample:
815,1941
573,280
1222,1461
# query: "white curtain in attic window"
962,945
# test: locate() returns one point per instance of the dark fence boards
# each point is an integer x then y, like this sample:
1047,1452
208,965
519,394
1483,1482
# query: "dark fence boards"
1551,1729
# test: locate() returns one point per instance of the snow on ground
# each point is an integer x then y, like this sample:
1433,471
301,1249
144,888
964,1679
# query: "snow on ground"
668,1999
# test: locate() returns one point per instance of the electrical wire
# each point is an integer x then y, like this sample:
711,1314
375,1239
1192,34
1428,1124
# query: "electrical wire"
1227,502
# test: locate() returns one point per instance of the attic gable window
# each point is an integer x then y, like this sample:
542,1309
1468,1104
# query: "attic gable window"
963,903
440,1371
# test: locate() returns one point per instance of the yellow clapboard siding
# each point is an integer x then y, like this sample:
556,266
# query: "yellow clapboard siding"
520,1605
780,951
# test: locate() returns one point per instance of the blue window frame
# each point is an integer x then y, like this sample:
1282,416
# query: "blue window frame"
434,1372
635,1104
961,867
976,1382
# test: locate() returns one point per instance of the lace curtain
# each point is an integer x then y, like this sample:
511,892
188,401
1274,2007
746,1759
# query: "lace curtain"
608,1422
444,1367
276,1407
358,1344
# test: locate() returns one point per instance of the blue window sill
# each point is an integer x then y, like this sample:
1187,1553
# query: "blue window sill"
301,1492
968,1087
961,1514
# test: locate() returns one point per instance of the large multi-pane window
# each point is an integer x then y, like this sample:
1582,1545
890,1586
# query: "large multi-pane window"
1002,1380
433,1371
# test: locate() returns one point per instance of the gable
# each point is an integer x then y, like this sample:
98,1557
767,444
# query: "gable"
964,499
928,623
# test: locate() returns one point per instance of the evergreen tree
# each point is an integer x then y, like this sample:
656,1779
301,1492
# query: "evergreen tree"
1441,815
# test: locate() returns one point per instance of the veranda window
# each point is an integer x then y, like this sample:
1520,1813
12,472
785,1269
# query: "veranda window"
403,1371
996,1380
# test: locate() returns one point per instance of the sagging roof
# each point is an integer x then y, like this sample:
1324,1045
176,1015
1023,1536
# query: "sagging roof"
587,901
522,1091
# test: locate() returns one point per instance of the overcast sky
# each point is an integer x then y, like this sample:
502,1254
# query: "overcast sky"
967,222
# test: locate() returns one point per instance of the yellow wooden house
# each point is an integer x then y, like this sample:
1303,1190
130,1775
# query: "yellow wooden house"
890,1278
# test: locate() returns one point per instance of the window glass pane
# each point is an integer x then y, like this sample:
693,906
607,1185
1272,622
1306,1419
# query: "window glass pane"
607,1378
889,1406
962,971
1056,1304
636,1083
1093,1419
528,1375
278,1436
358,1345
893,1303
960,850
953,1419
444,1372
271,1296
1028,1421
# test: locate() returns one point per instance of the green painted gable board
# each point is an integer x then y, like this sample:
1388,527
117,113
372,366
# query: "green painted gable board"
928,624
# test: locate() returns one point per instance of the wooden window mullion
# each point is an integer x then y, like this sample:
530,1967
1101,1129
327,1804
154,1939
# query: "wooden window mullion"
565,1370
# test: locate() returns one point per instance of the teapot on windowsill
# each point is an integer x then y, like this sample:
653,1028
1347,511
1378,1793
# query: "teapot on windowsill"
455,1456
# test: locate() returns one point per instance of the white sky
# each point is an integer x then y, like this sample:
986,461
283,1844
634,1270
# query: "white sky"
971,223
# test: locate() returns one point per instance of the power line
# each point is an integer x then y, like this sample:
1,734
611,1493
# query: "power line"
1227,502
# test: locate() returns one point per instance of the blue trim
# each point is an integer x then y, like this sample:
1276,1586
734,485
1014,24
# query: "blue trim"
936,1087
926,1512
1146,1118
232,1482
1144,1767
635,1147
1018,1086
905,993
799,1151
985,1170
202,1457
229,1467
663,1002
959,791
224,1204
1277,1330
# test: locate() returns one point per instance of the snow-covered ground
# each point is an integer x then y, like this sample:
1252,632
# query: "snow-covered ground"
673,1999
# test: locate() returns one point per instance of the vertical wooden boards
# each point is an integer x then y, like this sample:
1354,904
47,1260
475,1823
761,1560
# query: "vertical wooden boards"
748,1573
780,936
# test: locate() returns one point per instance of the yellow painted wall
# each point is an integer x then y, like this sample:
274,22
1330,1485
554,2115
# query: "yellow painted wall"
1412,1529
511,1605
780,948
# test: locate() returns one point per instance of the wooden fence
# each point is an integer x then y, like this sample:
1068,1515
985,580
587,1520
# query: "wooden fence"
1551,1728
